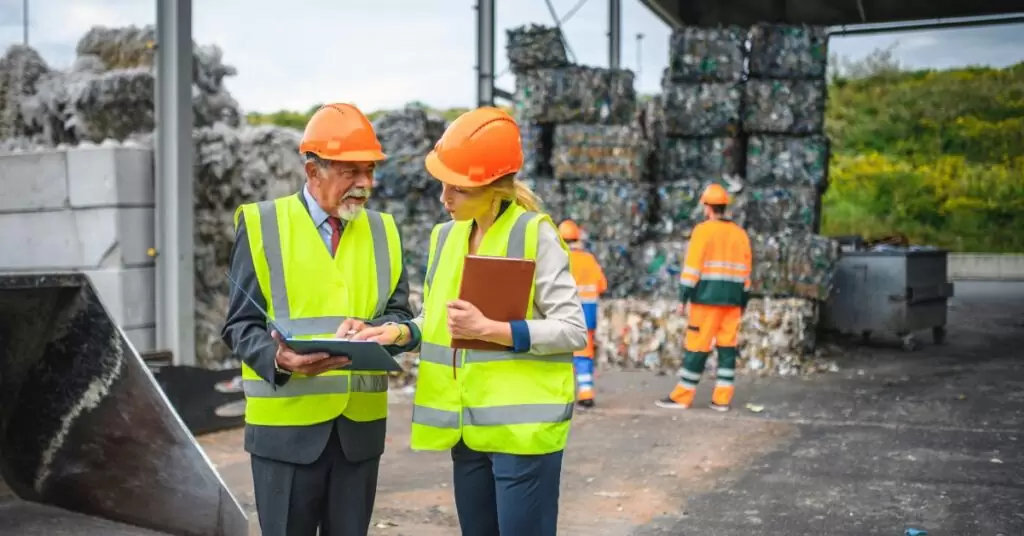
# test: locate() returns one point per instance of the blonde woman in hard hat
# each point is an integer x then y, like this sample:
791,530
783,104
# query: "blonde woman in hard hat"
504,415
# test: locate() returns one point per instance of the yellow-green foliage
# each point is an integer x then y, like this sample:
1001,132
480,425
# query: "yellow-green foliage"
937,156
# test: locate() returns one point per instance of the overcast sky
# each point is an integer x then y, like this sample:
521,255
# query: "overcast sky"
402,50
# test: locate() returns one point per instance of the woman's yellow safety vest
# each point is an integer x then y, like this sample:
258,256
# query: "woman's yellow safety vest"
309,293
512,403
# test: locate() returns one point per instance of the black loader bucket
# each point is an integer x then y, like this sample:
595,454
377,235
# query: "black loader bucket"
88,442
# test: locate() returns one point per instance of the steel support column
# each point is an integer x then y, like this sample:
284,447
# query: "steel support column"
175,248
485,52
614,34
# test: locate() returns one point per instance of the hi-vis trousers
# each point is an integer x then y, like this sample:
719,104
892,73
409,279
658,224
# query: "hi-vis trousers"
712,326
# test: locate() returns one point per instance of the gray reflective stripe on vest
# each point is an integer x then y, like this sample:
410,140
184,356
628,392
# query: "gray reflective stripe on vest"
442,355
317,385
442,236
516,242
279,290
494,415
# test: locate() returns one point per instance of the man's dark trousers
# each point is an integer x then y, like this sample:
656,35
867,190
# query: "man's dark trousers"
506,494
325,478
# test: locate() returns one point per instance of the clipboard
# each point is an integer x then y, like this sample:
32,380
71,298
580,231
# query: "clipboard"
500,288
365,355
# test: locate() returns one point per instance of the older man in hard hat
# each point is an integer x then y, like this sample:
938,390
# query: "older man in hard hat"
716,279
590,284
313,260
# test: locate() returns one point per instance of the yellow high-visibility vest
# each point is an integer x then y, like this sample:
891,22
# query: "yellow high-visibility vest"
309,294
512,403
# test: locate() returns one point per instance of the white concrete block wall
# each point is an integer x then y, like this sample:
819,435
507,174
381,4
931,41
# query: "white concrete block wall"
88,210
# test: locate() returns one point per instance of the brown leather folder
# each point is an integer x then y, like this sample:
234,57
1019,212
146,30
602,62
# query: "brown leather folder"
500,288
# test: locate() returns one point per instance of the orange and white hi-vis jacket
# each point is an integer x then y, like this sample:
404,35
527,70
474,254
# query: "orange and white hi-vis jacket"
717,266
590,279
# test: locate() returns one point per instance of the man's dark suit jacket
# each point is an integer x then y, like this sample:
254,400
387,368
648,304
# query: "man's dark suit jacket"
246,333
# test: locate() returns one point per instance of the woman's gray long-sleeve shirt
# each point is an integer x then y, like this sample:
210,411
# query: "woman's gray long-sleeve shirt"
557,326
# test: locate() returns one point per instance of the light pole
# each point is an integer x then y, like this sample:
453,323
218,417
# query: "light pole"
24,22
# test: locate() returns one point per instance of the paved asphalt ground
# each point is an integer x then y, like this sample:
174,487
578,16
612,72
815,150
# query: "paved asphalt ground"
928,440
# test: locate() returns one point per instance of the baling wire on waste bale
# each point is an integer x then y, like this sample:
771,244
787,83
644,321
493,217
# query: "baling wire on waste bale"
703,159
784,106
701,109
788,161
576,94
535,47
599,152
777,337
707,54
616,211
788,51
777,209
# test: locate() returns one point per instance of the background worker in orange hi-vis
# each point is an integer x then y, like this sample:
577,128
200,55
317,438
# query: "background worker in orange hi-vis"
716,283
590,284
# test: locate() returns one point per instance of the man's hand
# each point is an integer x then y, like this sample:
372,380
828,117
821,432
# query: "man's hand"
385,335
349,327
465,321
307,364
683,309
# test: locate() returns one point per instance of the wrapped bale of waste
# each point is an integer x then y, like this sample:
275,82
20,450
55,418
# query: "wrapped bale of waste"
598,152
788,51
798,264
551,194
696,109
576,94
537,140
416,246
677,208
616,260
702,159
707,54
21,71
615,211
784,107
232,167
535,47
406,136
656,268
777,337
788,161
774,209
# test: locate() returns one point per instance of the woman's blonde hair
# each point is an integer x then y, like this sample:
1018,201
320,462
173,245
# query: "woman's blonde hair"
508,188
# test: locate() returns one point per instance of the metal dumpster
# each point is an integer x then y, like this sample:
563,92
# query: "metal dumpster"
900,291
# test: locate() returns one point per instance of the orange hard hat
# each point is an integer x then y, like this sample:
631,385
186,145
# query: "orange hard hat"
715,194
568,230
341,132
478,148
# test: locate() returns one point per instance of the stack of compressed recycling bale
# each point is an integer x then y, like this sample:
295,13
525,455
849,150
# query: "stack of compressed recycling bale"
777,336
706,132
701,99
584,155
403,186
107,96
784,117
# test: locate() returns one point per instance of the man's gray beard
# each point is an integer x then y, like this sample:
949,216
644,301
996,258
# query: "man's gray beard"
351,212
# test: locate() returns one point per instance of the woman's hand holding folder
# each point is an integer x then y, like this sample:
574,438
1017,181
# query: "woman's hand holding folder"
465,321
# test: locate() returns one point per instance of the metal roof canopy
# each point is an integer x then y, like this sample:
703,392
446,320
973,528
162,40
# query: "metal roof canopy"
837,13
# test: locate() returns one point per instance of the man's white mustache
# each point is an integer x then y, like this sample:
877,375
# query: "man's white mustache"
357,192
